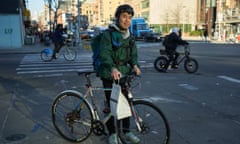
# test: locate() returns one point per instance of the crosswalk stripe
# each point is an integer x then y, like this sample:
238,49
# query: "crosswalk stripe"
32,64
51,71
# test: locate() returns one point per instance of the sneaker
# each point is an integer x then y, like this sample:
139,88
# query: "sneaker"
112,139
132,138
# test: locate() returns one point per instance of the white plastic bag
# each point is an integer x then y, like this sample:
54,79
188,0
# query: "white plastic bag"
118,103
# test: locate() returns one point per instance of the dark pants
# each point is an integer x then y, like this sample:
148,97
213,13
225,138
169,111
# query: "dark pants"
110,124
57,47
173,56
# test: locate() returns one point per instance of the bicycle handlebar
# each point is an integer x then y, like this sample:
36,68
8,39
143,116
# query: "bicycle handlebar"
129,77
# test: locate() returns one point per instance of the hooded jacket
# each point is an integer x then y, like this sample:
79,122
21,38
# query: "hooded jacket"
174,40
117,50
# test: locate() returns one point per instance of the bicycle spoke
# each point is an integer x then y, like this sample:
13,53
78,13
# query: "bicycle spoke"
154,127
71,123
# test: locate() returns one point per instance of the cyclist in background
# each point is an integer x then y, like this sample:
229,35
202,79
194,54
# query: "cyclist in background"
58,40
171,43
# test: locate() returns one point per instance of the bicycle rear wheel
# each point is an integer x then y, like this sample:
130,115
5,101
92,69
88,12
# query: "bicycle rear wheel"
70,53
154,126
46,54
160,64
72,117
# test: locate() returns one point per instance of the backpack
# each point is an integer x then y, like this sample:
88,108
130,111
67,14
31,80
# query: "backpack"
165,41
95,45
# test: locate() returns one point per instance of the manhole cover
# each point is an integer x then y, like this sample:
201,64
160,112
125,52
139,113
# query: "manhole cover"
15,137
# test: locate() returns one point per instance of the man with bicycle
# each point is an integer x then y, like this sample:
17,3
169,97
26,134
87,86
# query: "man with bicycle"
118,60
171,42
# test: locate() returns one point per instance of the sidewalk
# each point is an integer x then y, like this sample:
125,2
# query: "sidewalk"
34,48
199,39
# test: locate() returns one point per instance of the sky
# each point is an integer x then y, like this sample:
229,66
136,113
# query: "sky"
35,6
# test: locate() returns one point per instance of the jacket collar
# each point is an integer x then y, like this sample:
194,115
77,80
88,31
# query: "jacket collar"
125,34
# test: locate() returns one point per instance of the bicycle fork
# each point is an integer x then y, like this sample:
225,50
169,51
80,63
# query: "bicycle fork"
137,119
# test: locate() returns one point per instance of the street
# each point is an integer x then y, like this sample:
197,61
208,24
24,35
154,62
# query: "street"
202,108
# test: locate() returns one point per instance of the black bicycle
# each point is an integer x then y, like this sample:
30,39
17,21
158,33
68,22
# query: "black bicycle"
75,117
162,62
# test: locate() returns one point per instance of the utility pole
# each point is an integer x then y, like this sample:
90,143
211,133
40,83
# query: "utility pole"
79,39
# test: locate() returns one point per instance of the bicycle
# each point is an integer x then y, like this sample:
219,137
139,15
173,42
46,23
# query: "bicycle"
70,53
162,62
75,117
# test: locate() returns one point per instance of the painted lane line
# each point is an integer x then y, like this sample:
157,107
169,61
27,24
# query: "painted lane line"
188,86
229,78
157,98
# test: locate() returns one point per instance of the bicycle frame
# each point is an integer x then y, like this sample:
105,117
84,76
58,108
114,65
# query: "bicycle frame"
89,93
186,54
181,59
94,108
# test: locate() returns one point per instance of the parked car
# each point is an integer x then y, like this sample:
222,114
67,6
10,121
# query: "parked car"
153,36
84,35
88,34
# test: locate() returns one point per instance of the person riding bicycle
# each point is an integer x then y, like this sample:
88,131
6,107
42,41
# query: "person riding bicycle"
173,40
58,40
114,65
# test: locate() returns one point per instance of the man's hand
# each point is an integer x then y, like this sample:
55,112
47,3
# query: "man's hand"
136,70
116,74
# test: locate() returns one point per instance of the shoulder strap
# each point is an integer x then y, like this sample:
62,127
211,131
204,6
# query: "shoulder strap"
115,44
131,45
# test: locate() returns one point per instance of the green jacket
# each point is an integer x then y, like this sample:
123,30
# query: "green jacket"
116,57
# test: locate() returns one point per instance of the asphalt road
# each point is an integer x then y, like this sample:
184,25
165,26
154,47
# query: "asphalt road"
202,108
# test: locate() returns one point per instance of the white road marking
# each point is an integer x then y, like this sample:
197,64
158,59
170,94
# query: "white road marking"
229,78
188,86
157,98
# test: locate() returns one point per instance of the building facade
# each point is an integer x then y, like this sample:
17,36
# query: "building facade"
227,19
15,18
160,14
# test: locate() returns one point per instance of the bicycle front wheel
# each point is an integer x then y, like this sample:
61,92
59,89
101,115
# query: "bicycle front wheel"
154,127
191,65
72,117
70,53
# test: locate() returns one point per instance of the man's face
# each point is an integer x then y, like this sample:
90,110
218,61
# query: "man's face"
125,20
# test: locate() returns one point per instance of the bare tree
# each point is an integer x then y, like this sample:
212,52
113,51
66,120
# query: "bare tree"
166,19
53,5
177,14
